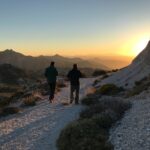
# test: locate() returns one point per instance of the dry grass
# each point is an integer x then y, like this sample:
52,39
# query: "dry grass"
29,101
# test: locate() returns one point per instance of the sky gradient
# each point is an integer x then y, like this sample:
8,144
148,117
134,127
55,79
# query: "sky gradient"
75,27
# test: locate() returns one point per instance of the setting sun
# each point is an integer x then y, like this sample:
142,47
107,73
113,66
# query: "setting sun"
141,44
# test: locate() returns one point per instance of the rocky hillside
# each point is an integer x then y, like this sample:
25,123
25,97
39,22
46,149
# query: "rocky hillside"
38,63
11,75
136,71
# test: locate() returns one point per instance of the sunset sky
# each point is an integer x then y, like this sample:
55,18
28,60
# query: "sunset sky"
75,27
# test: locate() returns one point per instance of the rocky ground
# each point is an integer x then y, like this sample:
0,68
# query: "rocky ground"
133,131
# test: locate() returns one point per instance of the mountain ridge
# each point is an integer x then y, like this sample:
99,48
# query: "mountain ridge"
22,61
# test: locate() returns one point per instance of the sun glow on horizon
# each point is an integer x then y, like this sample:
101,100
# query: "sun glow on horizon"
134,46
141,44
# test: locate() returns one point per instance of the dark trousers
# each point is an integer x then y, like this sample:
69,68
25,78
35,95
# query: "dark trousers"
74,89
52,87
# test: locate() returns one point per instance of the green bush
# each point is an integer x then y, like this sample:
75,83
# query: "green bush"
104,120
137,83
89,101
83,135
117,106
110,89
92,110
136,90
99,73
140,87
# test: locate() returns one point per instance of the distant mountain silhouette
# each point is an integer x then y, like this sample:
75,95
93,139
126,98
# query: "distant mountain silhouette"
9,56
10,74
137,70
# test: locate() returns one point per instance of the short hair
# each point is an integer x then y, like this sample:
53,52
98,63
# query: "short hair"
52,63
75,66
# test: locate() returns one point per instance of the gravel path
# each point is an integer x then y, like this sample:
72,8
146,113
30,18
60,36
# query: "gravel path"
38,127
133,131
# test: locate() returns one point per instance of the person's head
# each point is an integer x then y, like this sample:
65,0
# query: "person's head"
75,66
52,64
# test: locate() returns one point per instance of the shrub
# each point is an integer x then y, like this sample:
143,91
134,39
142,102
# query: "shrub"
93,94
115,70
137,90
44,88
99,73
117,106
105,119
10,110
139,87
141,81
83,135
89,101
29,101
110,89
92,110
137,83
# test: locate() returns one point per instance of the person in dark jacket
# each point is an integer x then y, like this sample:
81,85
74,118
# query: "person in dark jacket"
74,75
51,74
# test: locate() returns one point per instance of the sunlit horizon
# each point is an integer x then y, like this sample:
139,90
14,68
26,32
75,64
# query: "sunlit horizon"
132,51
75,28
